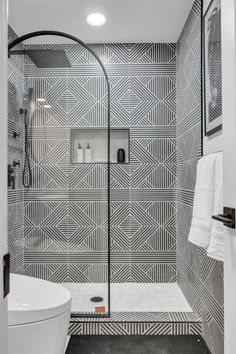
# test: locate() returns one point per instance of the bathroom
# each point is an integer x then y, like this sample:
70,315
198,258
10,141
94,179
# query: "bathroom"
118,203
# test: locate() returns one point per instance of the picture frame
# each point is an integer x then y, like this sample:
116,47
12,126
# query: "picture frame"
212,68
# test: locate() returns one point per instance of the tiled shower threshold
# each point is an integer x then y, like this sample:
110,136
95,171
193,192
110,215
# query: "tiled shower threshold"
136,309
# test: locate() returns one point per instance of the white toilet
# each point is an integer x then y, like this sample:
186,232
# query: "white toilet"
38,316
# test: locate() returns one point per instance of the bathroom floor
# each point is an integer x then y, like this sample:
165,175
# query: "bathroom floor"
129,297
137,345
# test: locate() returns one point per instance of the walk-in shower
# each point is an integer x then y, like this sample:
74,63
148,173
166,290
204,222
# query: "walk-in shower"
102,226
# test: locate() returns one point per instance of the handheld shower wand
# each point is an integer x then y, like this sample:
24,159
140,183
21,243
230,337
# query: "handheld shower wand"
27,180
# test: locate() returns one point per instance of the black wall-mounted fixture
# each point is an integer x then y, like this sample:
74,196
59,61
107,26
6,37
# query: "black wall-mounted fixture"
121,156
11,179
45,58
228,217
16,163
16,135
6,274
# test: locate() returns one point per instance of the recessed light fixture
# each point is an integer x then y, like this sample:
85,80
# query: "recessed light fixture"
96,19
47,106
41,99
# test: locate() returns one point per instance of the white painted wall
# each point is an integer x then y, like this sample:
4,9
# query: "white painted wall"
229,148
3,169
212,143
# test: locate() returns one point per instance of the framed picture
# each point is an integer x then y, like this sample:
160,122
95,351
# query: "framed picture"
212,68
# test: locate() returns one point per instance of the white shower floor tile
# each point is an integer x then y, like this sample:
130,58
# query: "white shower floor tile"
129,297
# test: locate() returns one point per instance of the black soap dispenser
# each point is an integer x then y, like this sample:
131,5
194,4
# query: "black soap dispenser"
121,156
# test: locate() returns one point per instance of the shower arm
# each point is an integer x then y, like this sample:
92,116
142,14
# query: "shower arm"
59,34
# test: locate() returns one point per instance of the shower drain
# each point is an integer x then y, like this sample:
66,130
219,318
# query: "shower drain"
96,299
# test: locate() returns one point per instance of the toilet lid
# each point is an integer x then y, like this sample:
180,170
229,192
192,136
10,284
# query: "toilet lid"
32,300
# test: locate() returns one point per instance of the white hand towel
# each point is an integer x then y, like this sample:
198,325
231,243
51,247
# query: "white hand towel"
200,230
216,247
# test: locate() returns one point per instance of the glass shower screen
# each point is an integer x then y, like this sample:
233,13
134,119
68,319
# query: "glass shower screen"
67,217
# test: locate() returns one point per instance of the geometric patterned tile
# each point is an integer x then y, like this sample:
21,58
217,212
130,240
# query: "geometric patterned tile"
131,323
15,153
200,277
141,99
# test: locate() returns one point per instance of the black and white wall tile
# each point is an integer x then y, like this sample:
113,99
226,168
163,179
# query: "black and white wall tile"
66,210
138,323
200,277
15,153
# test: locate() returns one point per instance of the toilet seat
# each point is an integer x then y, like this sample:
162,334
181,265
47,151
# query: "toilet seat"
33,300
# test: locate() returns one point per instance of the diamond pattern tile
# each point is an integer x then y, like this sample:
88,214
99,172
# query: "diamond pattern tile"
199,277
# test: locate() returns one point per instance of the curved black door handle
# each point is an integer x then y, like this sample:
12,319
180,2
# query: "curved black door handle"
228,217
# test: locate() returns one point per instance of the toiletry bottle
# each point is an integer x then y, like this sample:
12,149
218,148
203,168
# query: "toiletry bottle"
88,154
121,156
80,155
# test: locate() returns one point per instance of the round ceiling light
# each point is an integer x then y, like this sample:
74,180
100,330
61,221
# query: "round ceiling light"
96,19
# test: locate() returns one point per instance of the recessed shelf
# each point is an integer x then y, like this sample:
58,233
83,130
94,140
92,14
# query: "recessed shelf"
98,141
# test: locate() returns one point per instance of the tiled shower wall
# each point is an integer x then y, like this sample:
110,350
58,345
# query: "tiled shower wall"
15,153
66,208
200,277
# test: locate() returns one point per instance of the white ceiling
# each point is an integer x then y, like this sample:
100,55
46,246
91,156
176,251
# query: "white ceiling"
127,20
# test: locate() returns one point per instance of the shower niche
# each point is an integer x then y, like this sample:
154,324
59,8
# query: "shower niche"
89,145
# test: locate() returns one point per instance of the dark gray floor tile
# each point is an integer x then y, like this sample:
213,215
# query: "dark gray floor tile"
137,345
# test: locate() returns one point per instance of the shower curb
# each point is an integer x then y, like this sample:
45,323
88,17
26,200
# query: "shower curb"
138,323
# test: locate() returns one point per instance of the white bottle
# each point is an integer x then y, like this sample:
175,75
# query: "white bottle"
88,154
80,154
